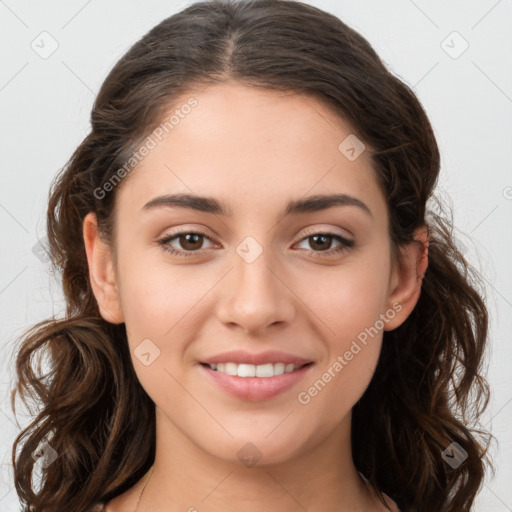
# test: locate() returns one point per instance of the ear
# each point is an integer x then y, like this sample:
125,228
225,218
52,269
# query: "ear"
406,278
101,272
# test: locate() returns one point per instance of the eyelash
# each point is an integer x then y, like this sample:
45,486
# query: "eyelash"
345,244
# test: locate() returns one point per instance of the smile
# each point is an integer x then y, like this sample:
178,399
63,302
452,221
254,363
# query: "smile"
255,382
250,370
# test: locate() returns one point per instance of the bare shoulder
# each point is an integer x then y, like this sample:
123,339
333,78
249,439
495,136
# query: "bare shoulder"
392,505
121,503
117,504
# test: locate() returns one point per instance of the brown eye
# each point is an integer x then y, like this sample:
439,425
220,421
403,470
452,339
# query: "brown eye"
322,242
190,241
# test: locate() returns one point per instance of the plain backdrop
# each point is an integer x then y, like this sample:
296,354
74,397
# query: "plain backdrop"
455,55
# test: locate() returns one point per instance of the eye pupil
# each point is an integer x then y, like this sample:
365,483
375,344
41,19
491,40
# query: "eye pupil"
324,237
195,237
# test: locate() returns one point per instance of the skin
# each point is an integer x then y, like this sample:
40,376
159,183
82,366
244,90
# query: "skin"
255,150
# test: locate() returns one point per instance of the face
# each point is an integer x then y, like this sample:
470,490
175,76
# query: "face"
259,288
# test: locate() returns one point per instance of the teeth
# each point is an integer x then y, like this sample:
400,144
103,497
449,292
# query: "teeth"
251,370
279,368
265,370
230,369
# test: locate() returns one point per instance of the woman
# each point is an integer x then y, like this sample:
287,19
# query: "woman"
262,314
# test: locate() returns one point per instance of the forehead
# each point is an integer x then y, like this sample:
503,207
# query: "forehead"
250,147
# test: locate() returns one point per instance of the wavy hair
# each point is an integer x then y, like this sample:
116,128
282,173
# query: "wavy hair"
428,388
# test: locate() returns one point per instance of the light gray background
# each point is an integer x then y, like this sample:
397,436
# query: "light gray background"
45,106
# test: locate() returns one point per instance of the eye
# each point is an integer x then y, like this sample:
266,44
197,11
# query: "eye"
189,240
322,241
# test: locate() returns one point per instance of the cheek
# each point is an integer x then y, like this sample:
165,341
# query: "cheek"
164,307
155,296
347,299
352,339
332,393
349,304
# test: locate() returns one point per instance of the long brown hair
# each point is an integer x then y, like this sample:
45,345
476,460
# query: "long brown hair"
427,389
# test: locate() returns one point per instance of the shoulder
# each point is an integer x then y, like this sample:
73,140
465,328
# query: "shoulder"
393,506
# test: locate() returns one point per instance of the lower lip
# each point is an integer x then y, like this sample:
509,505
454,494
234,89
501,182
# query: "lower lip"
256,388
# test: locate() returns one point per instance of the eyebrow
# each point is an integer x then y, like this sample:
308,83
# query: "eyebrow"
314,203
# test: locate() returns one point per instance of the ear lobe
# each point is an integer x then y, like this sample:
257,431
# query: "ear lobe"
101,272
411,268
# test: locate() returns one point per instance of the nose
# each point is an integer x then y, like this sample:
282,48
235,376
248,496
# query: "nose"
255,295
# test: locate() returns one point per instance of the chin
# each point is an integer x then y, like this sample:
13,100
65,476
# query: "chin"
256,449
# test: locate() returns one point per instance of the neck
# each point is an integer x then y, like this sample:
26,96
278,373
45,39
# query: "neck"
187,478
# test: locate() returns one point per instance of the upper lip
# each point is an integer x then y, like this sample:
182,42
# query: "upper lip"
243,357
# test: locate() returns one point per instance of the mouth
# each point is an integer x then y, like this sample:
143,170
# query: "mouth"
255,383
265,370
